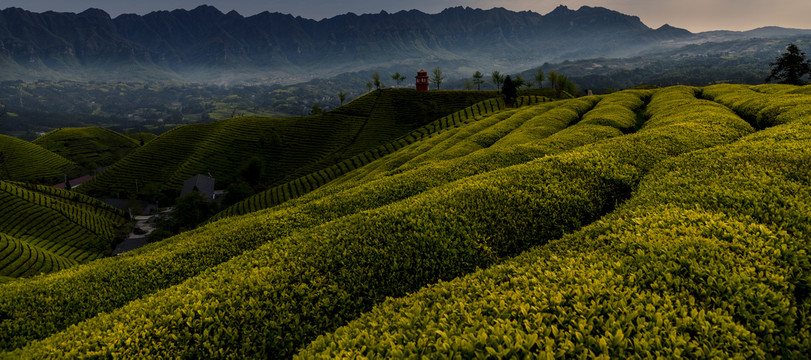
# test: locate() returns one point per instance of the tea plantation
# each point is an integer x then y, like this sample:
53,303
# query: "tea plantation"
24,161
670,223
88,147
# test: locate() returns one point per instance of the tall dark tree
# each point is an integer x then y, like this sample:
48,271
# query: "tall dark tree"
790,67
509,90
342,97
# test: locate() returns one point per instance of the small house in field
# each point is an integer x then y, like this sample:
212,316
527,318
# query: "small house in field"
422,80
204,185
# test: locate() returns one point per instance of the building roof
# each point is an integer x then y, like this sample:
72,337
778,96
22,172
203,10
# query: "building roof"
203,184
74,182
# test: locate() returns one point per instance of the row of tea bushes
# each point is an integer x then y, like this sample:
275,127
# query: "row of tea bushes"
708,260
72,296
271,301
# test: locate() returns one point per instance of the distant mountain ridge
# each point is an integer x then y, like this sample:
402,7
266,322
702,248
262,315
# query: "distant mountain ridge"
206,42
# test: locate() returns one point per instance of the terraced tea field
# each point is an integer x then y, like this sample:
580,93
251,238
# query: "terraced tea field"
24,161
43,229
88,147
288,147
646,223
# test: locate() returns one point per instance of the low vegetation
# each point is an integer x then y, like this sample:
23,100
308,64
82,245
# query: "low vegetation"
24,161
665,222
45,229
89,147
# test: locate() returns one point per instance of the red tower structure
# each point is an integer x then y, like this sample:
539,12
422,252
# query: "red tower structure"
422,80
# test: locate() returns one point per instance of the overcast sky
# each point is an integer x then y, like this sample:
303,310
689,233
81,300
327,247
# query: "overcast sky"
694,15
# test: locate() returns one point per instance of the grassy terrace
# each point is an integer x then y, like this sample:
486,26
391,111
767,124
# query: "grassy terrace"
288,147
45,229
89,147
24,161
669,222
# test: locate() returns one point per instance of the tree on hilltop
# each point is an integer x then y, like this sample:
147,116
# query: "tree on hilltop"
376,79
342,97
790,67
477,80
398,78
539,78
438,77
497,79
518,81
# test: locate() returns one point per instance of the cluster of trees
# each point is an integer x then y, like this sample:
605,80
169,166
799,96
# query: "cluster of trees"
557,81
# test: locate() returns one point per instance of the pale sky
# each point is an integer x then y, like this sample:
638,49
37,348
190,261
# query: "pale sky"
693,15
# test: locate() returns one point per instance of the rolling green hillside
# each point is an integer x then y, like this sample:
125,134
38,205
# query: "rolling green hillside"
43,229
287,147
88,147
669,222
143,138
24,161
310,182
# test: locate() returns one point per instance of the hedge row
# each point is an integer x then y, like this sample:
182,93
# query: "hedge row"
24,161
708,260
271,301
307,183
20,259
762,109
80,293
58,222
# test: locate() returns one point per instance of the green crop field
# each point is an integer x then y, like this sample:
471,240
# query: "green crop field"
88,147
667,223
24,161
43,229
288,147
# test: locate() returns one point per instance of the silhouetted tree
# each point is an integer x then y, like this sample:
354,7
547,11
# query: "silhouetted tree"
790,67
316,110
398,78
509,90
437,77
342,97
376,79
539,78
477,80
518,81
497,79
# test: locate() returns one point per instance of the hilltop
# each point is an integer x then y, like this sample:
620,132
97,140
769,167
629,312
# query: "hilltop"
88,147
666,222
25,161
281,148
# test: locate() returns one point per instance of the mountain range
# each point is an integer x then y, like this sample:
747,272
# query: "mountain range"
207,45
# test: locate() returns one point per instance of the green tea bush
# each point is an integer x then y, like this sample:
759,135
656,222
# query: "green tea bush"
271,301
708,259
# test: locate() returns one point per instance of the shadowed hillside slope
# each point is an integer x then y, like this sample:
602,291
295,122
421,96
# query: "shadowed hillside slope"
286,147
24,161
88,147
